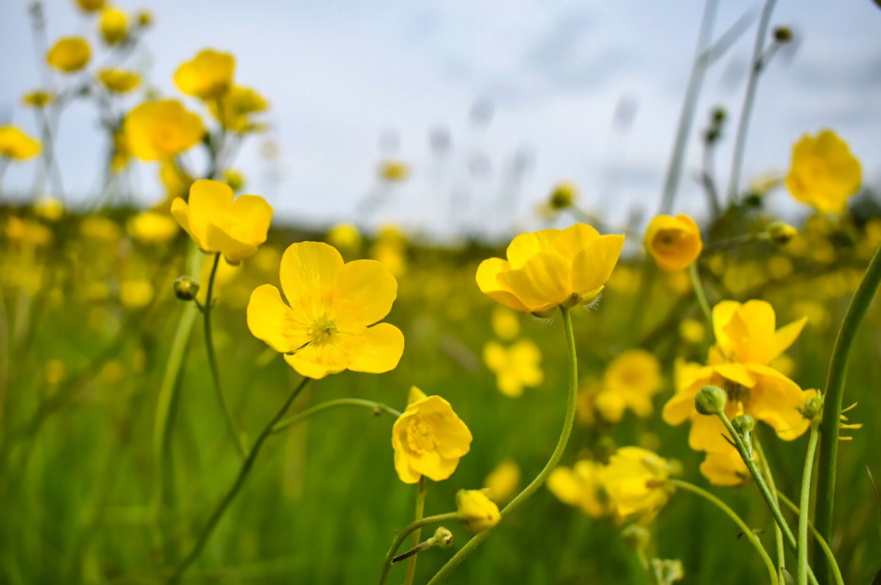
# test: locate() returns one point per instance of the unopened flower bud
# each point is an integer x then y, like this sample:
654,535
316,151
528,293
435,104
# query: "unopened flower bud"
563,196
636,537
710,400
743,424
442,538
812,408
145,18
185,288
718,115
782,34
781,233
476,510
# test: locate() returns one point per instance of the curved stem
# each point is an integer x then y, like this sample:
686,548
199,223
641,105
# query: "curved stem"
700,294
832,401
402,535
420,510
244,471
548,468
836,572
746,530
212,362
778,534
804,505
377,407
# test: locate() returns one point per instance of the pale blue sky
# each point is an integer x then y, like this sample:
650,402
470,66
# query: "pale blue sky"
341,73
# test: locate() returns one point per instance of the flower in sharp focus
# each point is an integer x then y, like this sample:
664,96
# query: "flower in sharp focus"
515,367
580,486
150,227
113,25
428,438
476,510
635,375
69,54
219,222
39,98
634,481
823,172
235,107
674,242
161,130
119,81
208,76
329,325
17,145
503,481
550,268
726,467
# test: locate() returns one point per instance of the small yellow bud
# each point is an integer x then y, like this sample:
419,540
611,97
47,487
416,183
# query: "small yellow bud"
781,233
185,288
476,510
442,538
235,179
812,408
144,18
710,400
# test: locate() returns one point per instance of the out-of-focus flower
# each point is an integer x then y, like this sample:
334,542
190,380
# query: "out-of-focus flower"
120,154
476,510
235,179
55,371
516,367
692,331
162,130
674,242
823,172
119,81
144,18
69,54
634,481
551,268
39,98
90,5
327,328
563,196
49,208
726,467
17,145
176,181
505,323
635,376
100,229
428,438
235,107
580,486
134,294
345,236
218,222
208,76
393,171
747,332
113,25
503,481
390,250
28,232
150,227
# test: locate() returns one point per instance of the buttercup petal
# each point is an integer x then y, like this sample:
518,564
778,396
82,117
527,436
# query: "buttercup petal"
525,246
593,266
308,272
378,349
217,240
572,240
488,282
253,217
541,283
272,321
366,291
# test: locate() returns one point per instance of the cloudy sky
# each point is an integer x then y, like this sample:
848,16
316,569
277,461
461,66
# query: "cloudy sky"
525,93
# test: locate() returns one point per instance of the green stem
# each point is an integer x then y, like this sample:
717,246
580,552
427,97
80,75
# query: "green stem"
548,468
832,401
804,506
778,534
700,294
836,572
402,535
745,530
377,407
417,534
244,471
212,362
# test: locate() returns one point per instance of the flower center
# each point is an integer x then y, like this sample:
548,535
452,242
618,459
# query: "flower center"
323,330
420,435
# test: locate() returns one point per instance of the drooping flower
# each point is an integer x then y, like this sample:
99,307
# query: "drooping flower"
329,325
113,25
161,130
674,242
17,145
150,227
503,481
235,107
515,367
550,268
823,172
635,376
580,486
119,81
208,76
634,481
476,510
428,438
69,54
218,222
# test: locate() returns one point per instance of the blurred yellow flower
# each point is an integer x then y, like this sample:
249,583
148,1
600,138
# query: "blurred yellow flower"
392,256
726,467
610,405
90,5
55,371
218,222
69,54
505,323
119,81
550,268
476,510
747,332
161,130
503,481
515,367
234,108
580,486
17,145
345,236
49,208
429,438
634,481
113,25
120,154
28,232
134,294
393,171
208,76
150,227
38,98
99,228
176,181
562,196
635,376
823,172
674,242
692,331
327,328
144,18
235,179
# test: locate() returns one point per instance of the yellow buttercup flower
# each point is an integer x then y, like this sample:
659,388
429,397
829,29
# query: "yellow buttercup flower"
113,25
218,222
393,171
747,332
38,98
162,130
134,294
144,18
150,227
28,232
429,438
69,54
345,236
549,268
674,242
726,467
49,208
235,107
327,328
635,376
580,486
515,367
503,481
17,145
99,228
476,510
505,323
90,5
208,76
823,172
634,481
119,81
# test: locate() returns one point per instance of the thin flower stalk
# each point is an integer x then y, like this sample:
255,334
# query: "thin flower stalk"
804,506
417,534
376,407
827,552
402,535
